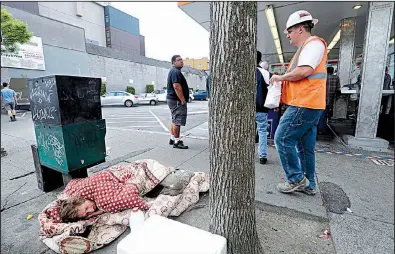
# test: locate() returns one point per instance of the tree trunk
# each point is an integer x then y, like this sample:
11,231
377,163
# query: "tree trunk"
231,124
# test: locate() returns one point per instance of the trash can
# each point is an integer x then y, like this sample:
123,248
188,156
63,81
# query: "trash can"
273,118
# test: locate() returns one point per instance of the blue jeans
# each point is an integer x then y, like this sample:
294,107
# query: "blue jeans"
261,124
295,142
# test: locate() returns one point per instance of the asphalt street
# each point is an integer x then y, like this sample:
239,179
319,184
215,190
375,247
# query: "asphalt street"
147,118
141,118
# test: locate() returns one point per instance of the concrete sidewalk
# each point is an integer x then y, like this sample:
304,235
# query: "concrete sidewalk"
344,181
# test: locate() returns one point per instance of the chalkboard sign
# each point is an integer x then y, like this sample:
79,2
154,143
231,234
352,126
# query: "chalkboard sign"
62,100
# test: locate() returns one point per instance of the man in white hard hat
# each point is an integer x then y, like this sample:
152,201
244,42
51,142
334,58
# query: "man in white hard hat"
304,91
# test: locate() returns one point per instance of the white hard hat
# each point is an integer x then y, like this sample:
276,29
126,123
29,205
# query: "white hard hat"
299,17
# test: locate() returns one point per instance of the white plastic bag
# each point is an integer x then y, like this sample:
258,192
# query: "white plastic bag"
273,95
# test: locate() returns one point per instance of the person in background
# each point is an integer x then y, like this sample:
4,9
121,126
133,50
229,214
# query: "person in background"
332,89
386,86
265,65
177,93
8,98
262,82
304,91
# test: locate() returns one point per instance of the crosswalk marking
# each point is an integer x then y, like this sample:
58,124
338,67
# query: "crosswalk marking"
159,121
134,122
134,117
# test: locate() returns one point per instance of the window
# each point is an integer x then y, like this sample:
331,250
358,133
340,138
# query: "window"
112,94
199,65
107,19
120,94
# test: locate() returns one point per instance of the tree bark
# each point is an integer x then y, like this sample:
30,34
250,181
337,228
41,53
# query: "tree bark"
231,124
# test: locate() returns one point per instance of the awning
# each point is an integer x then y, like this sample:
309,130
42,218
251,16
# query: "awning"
329,14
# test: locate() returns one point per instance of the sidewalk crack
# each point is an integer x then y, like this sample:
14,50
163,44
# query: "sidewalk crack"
21,176
6,199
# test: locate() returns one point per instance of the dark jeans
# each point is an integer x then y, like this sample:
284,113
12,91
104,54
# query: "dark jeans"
295,142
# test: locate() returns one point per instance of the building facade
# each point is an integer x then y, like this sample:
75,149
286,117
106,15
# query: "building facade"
103,24
123,32
199,64
67,50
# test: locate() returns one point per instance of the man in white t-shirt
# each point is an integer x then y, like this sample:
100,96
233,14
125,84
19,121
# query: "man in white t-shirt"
304,91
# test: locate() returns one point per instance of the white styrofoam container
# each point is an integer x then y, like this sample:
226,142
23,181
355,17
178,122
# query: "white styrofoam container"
159,235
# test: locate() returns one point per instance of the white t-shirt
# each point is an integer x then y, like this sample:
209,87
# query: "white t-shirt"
312,54
265,74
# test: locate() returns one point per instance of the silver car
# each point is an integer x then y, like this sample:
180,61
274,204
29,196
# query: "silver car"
119,98
148,98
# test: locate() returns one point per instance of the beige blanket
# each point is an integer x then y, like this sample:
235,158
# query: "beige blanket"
88,235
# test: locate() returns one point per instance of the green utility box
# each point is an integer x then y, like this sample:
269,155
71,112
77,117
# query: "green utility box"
73,146
67,117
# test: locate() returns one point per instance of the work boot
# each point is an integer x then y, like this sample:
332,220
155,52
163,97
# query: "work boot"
288,187
180,145
171,142
262,160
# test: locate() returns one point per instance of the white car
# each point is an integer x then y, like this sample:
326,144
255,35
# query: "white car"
147,98
162,93
119,98
191,97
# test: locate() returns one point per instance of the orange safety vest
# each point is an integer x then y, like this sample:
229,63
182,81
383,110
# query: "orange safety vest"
309,92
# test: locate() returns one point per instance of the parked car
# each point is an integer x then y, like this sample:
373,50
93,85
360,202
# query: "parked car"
119,98
147,98
191,96
162,93
201,95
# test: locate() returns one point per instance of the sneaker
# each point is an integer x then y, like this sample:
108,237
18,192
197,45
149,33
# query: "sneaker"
262,160
171,142
288,187
308,191
180,145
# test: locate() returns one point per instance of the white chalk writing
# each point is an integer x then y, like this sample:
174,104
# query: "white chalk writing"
40,94
49,83
41,141
19,95
43,113
48,142
66,95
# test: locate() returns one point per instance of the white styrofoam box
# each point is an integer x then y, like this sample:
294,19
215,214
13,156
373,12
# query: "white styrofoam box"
159,235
